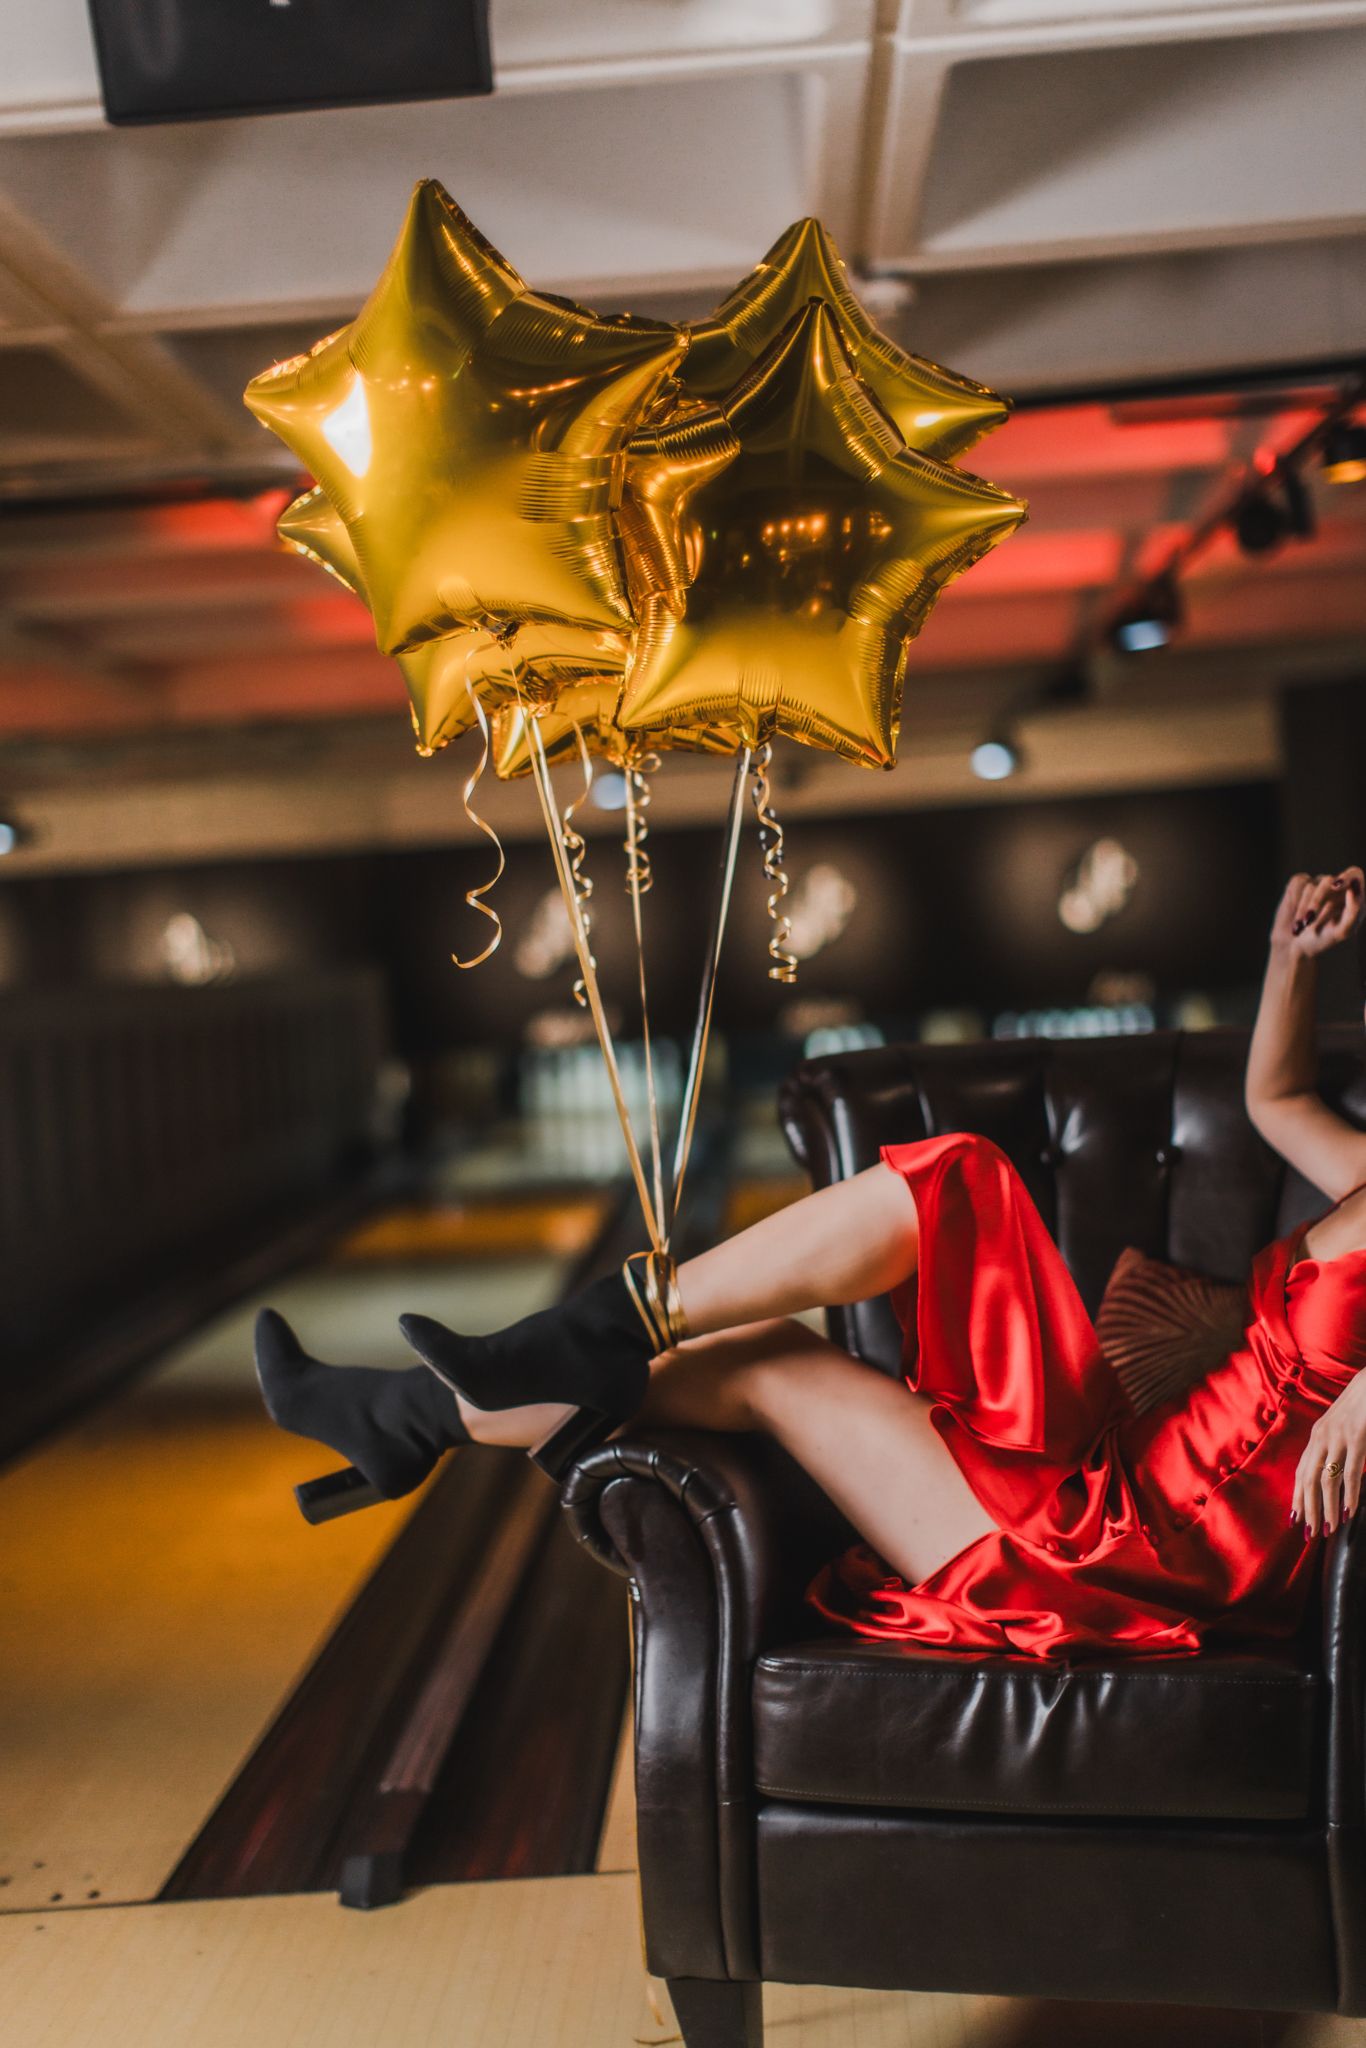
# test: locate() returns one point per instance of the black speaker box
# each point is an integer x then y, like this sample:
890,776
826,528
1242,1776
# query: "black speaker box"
195,60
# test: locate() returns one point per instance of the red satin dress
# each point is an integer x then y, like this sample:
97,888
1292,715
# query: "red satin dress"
1117,1533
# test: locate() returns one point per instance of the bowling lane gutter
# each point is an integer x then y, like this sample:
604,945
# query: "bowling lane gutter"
389,1762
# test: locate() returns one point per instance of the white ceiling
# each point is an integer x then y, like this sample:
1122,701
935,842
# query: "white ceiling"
1052,197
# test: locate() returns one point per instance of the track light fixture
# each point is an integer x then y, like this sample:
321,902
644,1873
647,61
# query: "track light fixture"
1275,508
1149,621
1344,454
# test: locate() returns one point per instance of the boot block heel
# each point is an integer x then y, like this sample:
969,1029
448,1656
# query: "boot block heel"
336,1493
557,1453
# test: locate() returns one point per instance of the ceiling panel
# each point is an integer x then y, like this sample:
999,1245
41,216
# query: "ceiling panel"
48,413
591,190
1136,317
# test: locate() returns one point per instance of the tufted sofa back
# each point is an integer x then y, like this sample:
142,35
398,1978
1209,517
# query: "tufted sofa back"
1121,1141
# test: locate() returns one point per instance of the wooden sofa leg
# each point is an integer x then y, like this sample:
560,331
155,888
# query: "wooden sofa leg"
713,2014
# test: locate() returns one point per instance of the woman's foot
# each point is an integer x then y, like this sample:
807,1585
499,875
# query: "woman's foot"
392,1426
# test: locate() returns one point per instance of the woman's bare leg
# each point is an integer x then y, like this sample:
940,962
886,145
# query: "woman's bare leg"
864,1437
847,1242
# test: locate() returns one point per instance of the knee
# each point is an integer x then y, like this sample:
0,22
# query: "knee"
775,1350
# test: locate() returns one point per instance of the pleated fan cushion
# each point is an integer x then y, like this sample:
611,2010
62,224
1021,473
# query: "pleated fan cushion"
1163,1327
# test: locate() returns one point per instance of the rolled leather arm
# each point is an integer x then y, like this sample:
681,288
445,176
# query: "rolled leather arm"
1344,1663
719,1536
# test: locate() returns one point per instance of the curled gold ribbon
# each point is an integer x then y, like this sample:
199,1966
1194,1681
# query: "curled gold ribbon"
576,849
784,966
640,875
474,897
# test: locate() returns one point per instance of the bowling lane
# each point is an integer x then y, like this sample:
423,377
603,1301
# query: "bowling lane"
158,1591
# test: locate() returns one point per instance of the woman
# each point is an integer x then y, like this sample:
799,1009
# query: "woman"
1017,1504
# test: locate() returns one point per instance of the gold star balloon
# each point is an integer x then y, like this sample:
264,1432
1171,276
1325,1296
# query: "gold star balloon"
471,435
534,662
821,548
938,412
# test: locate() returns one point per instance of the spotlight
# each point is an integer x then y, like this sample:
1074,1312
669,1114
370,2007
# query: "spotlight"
995,758
1272,511
1344,454
609,790
13,835
1150,620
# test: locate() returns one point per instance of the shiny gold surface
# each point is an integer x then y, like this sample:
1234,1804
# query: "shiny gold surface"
470,433
529,664
937,411
821,548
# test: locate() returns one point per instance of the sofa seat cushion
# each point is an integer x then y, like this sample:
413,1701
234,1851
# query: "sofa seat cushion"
862,1723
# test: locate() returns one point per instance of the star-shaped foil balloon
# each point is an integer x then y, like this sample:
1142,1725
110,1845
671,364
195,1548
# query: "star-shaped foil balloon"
820,550
470,433
938,412
533,663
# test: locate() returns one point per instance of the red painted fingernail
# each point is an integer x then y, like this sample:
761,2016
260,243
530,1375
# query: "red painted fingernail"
1298,926
1294,1514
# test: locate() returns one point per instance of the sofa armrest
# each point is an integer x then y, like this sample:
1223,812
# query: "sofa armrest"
719,1536
1344,1664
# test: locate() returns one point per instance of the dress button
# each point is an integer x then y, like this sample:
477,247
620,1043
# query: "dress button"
1050,1545
1146,1530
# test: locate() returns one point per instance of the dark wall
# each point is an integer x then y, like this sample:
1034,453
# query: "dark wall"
954,907
138,1123
1323,732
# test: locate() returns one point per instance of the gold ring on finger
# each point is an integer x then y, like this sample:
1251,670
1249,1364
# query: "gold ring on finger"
1331,1471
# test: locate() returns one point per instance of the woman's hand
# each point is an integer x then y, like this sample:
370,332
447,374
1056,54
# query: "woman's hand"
1317,912
1329,1475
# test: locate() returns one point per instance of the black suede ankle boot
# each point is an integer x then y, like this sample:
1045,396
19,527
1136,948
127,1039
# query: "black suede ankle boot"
592,1351
393,1426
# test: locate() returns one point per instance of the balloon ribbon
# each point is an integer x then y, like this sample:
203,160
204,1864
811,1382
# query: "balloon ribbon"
540,769
474,897
706,995
784,966
640,878
576,847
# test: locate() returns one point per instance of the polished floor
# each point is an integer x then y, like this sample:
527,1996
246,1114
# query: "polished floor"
159,1593
533,1963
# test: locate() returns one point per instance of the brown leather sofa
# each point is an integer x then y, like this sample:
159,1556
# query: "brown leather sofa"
814,1808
